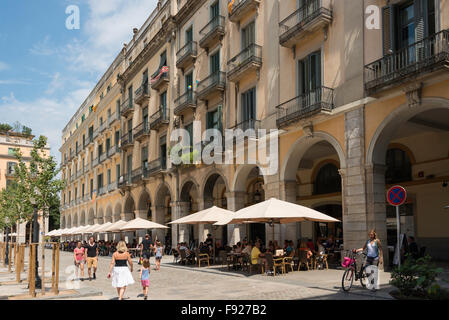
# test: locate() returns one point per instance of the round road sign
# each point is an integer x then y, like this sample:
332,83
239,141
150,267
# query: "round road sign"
396,196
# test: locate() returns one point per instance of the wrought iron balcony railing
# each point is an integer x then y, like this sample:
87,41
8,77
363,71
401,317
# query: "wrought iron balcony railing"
102,191
127,107
249,59
142,94
185,101
242,8
112,118
142,131
154,167
113,150
186,55
127,140
211,85
159,118
95,163
212,32
248,125
103,157
137,175
313,15
103,126
425,56
160,78
96,133
125,180
112,186
305,105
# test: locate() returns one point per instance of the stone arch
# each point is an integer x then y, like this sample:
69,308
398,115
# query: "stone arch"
380,141
75,220
108,216
163,212
213,174
69,221
144,200
83,218
129,207
91,217
186,187
117,211
100,216
240,177
63,222
300,147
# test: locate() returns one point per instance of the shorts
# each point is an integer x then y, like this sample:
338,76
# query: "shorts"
145,283
92,262
158,258
146,254
79,262
372,261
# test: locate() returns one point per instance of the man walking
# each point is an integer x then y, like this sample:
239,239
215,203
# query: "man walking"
146,247
92,257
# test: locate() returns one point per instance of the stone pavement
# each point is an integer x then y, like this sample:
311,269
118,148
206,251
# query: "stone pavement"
175,282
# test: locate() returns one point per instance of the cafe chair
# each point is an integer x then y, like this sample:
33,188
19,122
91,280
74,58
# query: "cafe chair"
321,260
202,257
288,262
304,261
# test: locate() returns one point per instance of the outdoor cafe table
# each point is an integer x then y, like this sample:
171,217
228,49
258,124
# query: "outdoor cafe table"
235,260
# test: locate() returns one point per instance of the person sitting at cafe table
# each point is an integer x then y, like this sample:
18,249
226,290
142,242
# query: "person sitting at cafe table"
248,249
209,241
289,250
258,257
204,249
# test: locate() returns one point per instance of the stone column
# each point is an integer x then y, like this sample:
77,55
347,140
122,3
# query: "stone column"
288,192
141,233
376,206
355,226
158,217
235,201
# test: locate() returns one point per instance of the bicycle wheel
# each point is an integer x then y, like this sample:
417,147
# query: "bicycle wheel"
347,280
363,278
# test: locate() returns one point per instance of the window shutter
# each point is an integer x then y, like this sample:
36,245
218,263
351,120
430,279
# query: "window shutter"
388,29
220,118
421,29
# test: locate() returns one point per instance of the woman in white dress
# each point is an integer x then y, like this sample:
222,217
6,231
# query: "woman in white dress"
119,270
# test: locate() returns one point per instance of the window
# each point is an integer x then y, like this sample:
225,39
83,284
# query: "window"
309,73
70,196
189,129
215,63
91,132
163,59
117,171
214,10
100,150
130,129
399,168
84,141
108,144
11,166
130,96
249,105
109,176
91,187
11,151
214,119
145,119
117,107
82,190
248,35
117,138
327,180
83,117
129,164
99,182
144,156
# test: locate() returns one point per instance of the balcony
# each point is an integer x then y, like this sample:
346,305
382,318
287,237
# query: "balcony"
103,157
113,150
86,168
113,118
160,118
96,133
127,141
142,95
103,127
127,107
125,181
89,140
71,156
186,56
214,84
246,62
160,78
305,106
185,102
102,191
308,19
242,8
79,173
154,167
112,186
86,198
417,60
142,131
212,33
137,175
248,125
95,163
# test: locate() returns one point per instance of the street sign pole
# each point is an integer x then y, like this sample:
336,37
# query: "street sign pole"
398,230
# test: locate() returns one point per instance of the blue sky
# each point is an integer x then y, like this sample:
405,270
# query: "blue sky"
46,70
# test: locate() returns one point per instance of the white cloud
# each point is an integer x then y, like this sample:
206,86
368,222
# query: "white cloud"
44,47
3,66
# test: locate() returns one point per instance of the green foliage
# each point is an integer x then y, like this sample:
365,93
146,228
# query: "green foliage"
415,277
4,127
26,131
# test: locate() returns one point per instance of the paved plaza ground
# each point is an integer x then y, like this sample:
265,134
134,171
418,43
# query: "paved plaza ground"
177,282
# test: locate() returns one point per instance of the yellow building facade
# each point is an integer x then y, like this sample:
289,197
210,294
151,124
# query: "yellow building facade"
358,109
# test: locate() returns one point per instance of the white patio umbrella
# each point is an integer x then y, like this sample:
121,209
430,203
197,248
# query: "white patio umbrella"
102,227
141,224
51,233
275,211
115,227
207,216
89,229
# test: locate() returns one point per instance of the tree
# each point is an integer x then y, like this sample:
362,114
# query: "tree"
26,131
4,127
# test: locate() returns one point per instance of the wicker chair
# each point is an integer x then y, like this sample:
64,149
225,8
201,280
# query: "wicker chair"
274,264
202,257
303,260
288,262
321,259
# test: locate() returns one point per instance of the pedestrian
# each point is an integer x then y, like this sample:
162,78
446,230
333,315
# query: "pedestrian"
146,247
119,270
91,257
79,257
158,254
145,277
374,255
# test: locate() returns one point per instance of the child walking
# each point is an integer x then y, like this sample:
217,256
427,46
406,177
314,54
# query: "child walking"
158,250
145,277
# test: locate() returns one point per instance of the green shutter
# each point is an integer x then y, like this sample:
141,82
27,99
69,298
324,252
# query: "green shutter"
220,118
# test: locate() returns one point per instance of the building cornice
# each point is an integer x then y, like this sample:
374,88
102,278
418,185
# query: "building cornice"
188,10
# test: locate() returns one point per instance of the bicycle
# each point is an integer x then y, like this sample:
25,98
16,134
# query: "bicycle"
351,273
